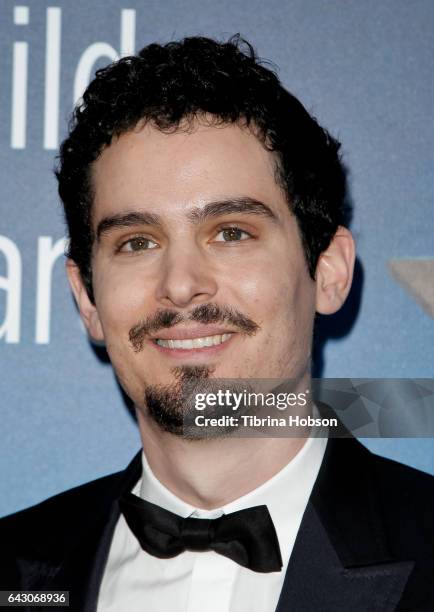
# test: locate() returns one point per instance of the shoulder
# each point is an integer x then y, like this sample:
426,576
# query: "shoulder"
36,541
387,478
75,504
405,497
403,483
64,501
373,496
49,520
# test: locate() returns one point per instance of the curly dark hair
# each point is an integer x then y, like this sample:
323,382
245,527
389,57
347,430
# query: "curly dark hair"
178,81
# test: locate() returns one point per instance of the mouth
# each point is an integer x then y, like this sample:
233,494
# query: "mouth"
197,341
193,343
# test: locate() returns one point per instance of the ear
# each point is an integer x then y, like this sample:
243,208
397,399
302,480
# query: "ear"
88,311
334,272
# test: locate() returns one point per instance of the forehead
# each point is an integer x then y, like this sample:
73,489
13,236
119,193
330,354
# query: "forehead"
167,173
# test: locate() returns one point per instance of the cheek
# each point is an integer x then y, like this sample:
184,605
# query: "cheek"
254,280
283,303
274,293
121,305
297,307
121,302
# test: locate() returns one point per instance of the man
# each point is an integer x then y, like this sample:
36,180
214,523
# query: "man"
205,210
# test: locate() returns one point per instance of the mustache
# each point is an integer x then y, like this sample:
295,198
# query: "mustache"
205,313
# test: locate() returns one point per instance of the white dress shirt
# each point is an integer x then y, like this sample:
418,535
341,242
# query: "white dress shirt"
136,581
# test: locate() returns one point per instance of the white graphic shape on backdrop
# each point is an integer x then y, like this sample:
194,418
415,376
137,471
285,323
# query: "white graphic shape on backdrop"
416,276
11,283
101,49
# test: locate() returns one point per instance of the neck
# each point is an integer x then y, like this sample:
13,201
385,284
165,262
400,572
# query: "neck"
208,473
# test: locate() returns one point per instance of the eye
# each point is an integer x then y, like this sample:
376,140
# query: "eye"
231,234
139,243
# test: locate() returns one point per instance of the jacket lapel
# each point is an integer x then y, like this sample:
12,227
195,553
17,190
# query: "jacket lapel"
317,580
341,559
82,569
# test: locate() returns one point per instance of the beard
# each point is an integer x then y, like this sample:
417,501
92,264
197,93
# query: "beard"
173,407
170,405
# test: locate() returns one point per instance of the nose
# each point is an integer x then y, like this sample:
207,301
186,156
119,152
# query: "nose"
186,277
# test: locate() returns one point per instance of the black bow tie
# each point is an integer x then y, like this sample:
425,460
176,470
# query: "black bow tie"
248,537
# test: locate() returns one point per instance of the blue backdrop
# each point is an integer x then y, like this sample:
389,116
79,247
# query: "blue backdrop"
365,70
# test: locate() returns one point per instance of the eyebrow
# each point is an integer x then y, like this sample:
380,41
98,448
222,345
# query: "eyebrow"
195,215
247,205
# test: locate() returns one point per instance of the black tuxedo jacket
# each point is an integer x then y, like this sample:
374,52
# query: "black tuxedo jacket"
366,541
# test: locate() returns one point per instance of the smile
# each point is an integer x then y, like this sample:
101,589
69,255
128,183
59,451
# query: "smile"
192,343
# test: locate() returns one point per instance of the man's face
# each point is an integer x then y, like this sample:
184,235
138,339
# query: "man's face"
196,240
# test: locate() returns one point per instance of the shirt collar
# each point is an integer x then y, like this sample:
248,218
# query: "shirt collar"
285,494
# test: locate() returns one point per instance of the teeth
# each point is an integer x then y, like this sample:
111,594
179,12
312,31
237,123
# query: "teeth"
194,342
